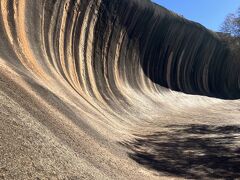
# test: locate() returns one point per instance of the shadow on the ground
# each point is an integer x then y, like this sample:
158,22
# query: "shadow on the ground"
192,151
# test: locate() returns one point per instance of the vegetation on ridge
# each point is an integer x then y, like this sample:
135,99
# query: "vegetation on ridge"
231,31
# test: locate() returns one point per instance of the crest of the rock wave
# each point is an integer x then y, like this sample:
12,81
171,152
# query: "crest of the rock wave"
80,79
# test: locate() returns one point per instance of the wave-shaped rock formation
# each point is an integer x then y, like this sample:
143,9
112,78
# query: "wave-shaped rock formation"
81,78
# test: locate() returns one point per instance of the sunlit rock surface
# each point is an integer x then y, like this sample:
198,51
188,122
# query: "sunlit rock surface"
89,88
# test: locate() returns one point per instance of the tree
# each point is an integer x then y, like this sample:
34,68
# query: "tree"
231,24
230,32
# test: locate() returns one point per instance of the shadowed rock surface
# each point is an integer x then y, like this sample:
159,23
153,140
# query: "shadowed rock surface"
190,151
81,78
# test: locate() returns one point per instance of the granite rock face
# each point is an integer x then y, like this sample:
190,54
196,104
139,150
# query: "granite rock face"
79,76
173,52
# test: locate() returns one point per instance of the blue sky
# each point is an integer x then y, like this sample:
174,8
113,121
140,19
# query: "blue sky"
210,13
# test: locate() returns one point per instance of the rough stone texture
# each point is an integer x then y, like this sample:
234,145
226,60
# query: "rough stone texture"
81,80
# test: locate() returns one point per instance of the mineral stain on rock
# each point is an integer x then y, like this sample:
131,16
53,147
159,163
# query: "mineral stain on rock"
81,78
